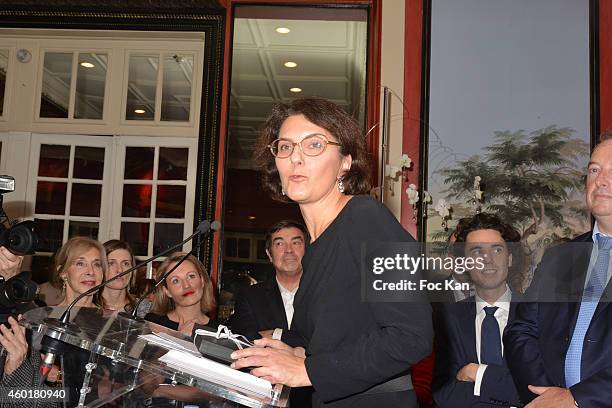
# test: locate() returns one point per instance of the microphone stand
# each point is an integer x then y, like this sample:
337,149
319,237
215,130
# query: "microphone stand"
152,289
202,228
56,347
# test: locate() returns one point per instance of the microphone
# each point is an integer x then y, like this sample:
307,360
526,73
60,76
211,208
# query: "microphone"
215,226
54,347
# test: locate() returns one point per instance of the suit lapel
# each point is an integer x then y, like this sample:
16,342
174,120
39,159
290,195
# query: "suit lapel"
468,325
581,256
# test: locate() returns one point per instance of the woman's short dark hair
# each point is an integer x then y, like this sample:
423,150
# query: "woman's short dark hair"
330,117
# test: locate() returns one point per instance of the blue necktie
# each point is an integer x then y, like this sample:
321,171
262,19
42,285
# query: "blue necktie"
590,297
490,339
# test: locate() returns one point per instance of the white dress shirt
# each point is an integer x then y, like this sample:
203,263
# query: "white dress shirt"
501,314
287,296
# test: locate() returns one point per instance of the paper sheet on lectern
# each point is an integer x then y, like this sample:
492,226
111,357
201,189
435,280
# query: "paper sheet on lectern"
216,372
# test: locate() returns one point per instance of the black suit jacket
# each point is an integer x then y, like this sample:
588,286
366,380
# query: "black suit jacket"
259,307
456,347
537,340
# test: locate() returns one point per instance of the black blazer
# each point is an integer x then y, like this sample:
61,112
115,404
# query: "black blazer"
537,340
455,348
258,307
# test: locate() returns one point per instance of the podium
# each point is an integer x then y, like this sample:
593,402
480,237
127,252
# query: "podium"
117,364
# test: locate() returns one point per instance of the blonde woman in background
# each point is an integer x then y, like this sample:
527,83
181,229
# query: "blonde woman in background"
185,298
80,265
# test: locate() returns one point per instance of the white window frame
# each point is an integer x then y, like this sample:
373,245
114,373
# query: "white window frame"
106,182
141,141
159,87
8,88
72,88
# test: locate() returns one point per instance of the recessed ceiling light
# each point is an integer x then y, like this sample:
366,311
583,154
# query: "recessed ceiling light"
252,217
87,64
282,30
139,111
290,64
295,90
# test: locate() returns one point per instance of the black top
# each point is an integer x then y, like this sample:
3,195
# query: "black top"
351,345
171,324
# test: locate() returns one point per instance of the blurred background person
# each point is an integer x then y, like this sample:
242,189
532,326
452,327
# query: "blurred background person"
120,257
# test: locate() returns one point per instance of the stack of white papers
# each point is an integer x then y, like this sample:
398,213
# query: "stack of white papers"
170,342
184,356
217,373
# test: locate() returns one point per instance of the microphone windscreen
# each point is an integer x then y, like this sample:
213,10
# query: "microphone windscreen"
215,226
203,227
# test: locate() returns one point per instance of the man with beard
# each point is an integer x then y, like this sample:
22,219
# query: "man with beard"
470,367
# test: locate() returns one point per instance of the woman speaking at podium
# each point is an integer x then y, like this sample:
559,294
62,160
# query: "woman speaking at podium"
357,354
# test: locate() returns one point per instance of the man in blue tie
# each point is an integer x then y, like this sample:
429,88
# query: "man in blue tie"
559,348
470,367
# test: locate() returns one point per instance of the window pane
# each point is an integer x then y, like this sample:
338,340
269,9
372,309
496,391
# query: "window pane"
139,163
176,92
231,247
4,54
261,250
51,197
57,75
88,163
85,199
166,235
54,160
83,229
244,248
136,200
137,235
172,163
170,202
49,233
142,83
90,83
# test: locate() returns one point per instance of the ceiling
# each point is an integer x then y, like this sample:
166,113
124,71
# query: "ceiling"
331,63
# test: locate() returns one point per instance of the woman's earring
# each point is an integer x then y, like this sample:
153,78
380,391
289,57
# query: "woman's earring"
340,185
283,192
64,279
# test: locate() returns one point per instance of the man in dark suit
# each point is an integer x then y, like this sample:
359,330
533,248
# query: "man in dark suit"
470,367
560,353
266,309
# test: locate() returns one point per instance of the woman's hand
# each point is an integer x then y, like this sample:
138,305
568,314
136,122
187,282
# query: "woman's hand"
274,361
14,342
186,326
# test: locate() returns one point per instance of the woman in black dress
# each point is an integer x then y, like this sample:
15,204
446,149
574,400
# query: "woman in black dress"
357,354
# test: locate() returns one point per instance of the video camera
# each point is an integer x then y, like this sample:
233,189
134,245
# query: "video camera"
20,239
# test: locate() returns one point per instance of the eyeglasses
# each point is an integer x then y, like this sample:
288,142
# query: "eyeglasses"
312,145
